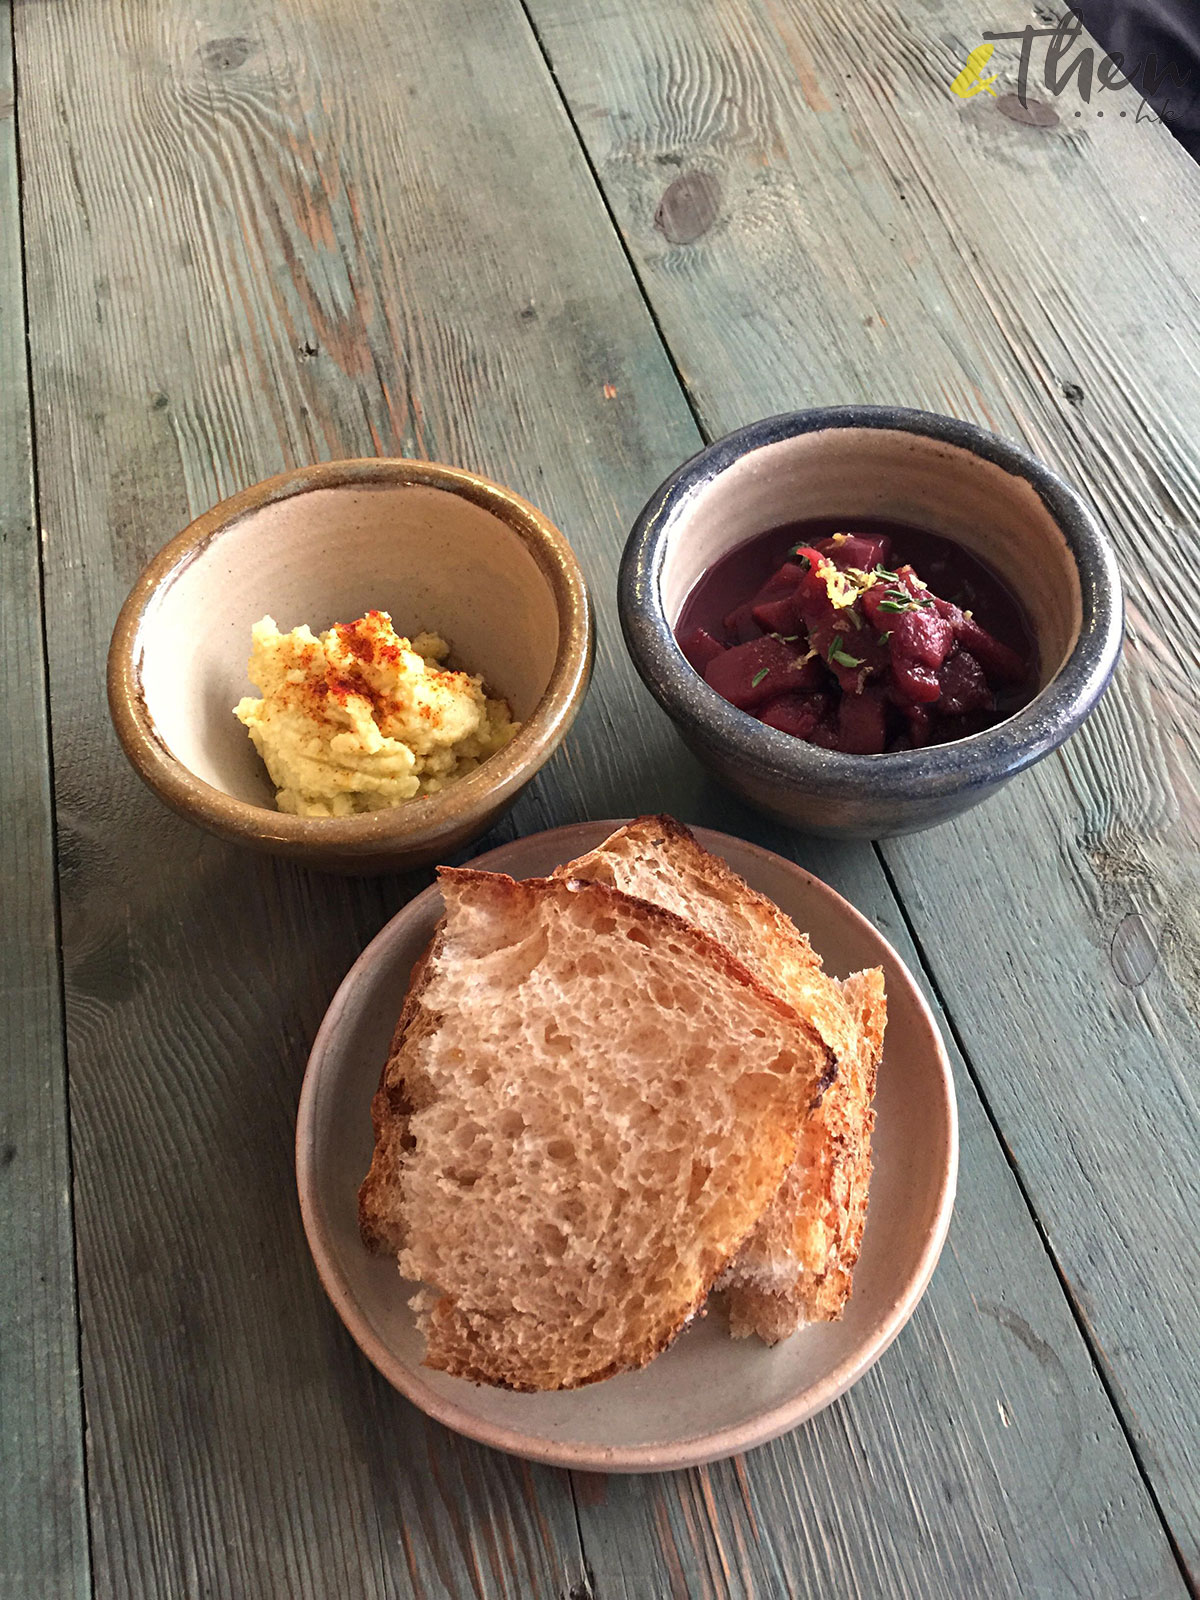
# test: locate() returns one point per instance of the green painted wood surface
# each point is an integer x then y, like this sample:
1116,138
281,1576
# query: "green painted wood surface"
874,238
43,1528
258,235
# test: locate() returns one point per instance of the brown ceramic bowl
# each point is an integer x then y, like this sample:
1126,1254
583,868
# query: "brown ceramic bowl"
439,548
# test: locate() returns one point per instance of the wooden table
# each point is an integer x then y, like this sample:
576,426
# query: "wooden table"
562,243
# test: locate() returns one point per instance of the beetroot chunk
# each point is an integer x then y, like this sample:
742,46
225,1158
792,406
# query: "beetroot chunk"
914,682
779,616
866,551
862,726
776,606
810,673
700,648
813,593
1001,664
740,625
852,654
921,636
964,687
749,675
907,580
797,714
871,601
783,582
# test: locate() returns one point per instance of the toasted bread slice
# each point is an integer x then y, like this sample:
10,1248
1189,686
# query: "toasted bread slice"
590,1106
798,1263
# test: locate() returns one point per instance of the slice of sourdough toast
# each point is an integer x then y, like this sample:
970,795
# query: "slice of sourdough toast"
797,1265
589,1106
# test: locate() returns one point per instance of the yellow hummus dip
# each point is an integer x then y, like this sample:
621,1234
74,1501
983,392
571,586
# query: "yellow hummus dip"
360,718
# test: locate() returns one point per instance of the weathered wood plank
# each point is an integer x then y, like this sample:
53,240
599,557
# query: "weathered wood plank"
43,1529
877,239
260,234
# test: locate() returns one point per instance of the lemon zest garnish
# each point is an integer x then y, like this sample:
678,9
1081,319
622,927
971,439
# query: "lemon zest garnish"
844,588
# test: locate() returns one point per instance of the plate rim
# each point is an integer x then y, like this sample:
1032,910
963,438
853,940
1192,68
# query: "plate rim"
704,1448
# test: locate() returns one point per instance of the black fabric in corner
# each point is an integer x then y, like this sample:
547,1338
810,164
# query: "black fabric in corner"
1158,40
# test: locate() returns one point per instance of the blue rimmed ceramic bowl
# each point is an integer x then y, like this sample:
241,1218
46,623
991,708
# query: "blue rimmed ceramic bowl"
912,467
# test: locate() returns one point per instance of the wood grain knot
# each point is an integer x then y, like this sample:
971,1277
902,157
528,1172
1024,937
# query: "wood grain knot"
1134,950
224,55
1072,393
1033,114
7,1156
689,207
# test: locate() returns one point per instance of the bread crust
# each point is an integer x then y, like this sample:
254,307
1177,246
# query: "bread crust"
458,1353
735,970
775,1286
379,1193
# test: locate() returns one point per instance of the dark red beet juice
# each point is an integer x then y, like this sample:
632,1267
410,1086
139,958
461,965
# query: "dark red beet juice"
860,635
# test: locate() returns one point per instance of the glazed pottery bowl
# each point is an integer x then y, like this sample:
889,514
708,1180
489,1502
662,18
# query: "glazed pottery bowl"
949,477
439,549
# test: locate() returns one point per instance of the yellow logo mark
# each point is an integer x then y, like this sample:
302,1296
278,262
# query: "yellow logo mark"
971,80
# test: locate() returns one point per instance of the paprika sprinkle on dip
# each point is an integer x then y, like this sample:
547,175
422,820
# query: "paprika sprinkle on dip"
360,718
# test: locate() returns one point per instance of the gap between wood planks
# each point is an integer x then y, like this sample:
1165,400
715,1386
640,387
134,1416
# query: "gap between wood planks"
10,43
1076,1309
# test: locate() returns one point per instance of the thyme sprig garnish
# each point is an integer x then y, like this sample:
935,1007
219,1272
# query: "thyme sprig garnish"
839,656
901,600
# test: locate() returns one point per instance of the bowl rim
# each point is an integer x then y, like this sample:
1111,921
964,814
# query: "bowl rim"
424,819
659,1456
936,770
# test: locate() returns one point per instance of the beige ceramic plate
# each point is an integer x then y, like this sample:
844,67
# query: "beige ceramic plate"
708,1396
